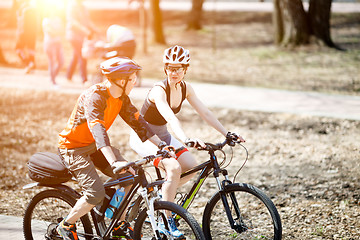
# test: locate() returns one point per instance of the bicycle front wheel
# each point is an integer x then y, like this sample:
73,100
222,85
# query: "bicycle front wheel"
44,213
253,214
186,223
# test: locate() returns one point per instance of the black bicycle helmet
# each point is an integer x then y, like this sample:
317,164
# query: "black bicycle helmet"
119,68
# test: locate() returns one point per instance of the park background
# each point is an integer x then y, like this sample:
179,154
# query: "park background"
312,167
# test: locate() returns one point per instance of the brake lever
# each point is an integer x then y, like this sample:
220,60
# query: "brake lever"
165,153
192,145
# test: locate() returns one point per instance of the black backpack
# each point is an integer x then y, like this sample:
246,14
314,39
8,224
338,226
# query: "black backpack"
47,168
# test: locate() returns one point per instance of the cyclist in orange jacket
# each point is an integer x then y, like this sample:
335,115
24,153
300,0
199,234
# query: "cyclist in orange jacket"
86,134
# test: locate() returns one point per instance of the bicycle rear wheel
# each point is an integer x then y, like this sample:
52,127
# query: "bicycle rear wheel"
254,214
185,224
45,211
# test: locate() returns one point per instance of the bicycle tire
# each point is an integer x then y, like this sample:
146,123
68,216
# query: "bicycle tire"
45,210
186,224
259,216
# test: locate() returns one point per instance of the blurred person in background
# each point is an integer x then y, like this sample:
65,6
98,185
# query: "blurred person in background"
120,42
53,29
78,27
27,22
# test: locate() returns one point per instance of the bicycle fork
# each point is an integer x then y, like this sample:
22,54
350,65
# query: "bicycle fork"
151,211
238,227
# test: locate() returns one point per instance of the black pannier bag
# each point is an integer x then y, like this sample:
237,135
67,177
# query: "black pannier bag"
47,168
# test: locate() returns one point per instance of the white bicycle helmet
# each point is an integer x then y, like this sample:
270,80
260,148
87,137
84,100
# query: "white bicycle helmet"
176,55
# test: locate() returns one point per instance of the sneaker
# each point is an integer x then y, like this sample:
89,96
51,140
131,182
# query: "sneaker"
55,86
123,231
173,231
67,231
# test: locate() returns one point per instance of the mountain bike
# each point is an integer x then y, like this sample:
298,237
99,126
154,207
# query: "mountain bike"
236,210
49,207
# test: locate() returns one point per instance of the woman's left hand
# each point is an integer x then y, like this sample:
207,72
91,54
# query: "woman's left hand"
195,143
235,137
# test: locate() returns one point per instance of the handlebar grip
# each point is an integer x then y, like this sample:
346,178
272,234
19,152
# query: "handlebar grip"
119,169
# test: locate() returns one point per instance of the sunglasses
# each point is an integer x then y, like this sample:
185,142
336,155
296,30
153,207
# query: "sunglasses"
174,69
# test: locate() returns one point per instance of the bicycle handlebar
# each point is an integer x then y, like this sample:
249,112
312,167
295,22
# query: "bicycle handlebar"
160,154
210,146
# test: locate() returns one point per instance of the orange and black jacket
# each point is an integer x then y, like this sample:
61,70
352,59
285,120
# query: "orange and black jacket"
94,113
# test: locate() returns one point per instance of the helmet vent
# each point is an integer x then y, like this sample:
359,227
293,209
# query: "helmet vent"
117,67
115,64
176,55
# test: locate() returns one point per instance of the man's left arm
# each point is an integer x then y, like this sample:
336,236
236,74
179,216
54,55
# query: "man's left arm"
132,117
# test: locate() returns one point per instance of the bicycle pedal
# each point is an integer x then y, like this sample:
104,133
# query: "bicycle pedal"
121,238
52,233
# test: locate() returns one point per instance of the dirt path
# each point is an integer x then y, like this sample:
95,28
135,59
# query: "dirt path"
233,97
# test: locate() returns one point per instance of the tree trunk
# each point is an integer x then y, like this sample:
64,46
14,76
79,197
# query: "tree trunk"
2,58
319,18
293,26
12,19
278,23
296,31
157,22
143,24
194,20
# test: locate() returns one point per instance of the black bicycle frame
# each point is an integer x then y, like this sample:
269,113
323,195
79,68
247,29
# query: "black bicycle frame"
136,181
206,168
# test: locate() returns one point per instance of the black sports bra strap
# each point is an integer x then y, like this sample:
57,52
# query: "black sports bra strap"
167,90
183,89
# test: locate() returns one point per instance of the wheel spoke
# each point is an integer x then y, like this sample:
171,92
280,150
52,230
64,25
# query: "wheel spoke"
44,213
186,224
